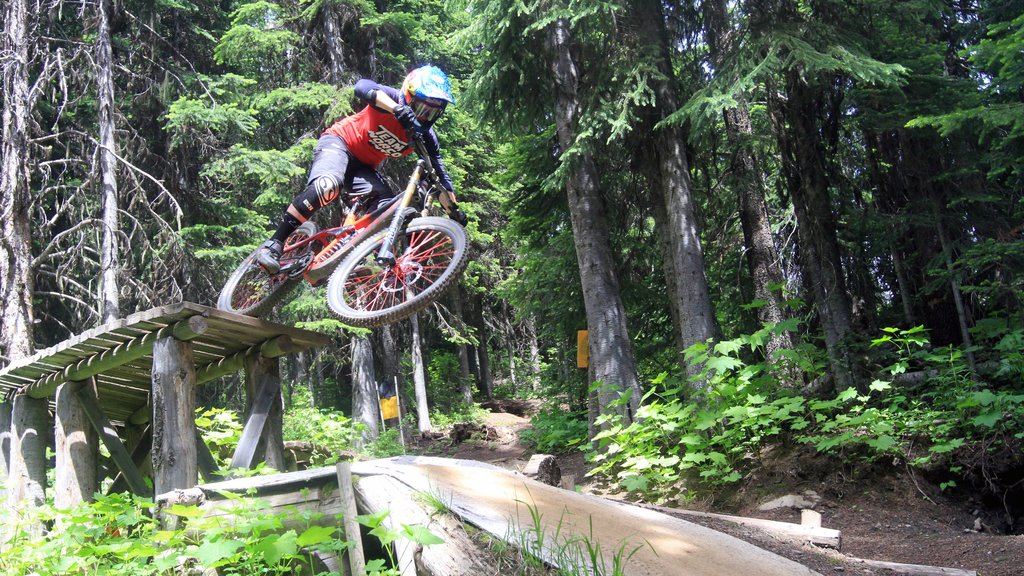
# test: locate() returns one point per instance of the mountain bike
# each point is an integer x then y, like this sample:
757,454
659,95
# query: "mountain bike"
382,265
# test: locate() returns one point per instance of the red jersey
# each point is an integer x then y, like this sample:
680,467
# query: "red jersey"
372,136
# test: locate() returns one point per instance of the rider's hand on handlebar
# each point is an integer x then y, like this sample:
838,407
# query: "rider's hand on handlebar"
406,117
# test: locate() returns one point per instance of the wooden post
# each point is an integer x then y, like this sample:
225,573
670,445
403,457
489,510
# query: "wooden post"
356,561
175,463
5,438
30,426
76,444
262,438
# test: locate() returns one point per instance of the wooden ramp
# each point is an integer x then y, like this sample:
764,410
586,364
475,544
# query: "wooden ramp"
504,504
131,384
501,503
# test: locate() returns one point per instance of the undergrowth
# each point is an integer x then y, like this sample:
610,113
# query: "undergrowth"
943,418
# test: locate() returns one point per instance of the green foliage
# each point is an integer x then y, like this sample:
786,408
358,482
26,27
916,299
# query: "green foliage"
952,422
116,535
555,430
329,431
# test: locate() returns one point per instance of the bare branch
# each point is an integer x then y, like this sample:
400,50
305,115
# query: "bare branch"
52,245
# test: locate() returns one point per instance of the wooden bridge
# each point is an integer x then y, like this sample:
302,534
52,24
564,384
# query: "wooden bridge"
132,385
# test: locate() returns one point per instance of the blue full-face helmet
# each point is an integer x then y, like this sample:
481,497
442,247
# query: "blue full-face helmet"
427,91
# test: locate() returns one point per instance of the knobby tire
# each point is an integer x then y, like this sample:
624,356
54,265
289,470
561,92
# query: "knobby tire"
251,291
432,257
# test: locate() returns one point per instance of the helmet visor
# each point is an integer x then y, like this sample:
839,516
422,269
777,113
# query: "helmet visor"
427,109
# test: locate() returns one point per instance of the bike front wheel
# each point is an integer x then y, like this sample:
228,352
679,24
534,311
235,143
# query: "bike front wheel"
430,257
252,292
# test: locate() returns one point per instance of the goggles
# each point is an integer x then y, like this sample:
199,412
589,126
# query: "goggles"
427,109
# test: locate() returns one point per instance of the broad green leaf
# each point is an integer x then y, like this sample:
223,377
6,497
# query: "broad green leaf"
316,535
421,535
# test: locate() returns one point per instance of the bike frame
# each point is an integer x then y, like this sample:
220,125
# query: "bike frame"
356,230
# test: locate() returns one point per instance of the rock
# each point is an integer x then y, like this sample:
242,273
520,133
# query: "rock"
809,499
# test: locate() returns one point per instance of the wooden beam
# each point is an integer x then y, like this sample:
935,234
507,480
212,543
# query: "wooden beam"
76,445
140,454
267,394
175,462
30,427
207,465
5,438
121,354
914,569
815,535
350,527
112,441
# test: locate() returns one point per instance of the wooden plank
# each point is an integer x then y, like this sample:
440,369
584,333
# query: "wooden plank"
111,440
914,569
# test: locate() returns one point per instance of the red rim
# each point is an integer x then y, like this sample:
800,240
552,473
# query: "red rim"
256,284
428,255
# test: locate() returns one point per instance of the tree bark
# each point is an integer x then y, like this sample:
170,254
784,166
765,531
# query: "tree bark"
419,377
691,297
110,301
465,380
365,406
611,350
805,166
762,256
16,281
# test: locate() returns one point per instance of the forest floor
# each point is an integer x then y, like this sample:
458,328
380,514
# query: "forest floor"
884,514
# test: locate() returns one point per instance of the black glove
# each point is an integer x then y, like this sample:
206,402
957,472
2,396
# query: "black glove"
405,116
459,216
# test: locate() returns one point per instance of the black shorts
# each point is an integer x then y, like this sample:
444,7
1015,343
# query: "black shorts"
331,156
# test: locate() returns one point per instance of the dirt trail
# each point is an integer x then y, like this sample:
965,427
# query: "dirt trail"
657,544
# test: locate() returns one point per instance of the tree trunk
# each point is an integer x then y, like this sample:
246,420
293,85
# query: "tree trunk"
611,351
954,286
419,377
16,281
482,355
744,175
175,459
805,166
465,380
692,296
531,334
110,301
365,406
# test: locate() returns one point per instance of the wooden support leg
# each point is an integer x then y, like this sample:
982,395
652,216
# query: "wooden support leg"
140,456
30,426
76,445
175,463
262,436
5,438
118,453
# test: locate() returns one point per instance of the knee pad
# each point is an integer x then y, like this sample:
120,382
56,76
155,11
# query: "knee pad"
320,192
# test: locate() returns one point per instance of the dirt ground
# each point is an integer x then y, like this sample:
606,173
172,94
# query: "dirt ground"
883,515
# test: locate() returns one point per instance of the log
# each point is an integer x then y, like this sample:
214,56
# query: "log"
5,438
30,425
175,462
457,556
356,559
914,569
76,446
815,535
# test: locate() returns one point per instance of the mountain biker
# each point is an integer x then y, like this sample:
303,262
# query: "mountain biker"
349,153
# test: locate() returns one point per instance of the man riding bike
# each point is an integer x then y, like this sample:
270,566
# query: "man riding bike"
349,153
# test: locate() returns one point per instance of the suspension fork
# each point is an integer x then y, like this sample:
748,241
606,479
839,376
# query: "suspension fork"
386,254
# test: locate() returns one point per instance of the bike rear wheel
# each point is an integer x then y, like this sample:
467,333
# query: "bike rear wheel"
430,256
252,292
